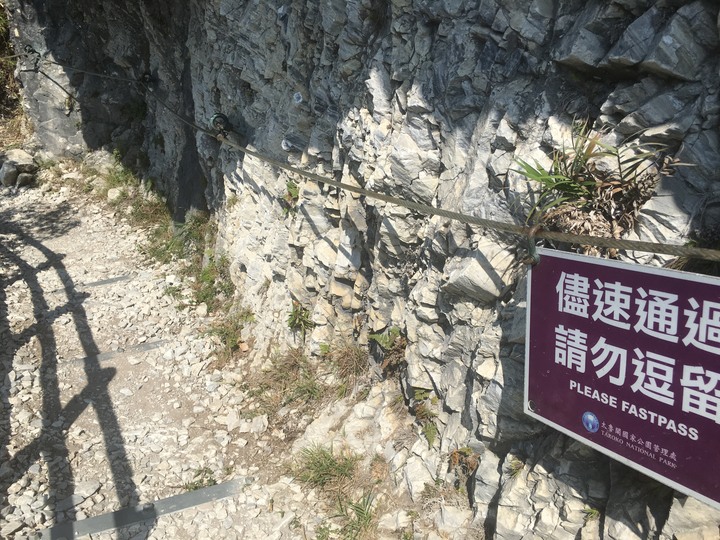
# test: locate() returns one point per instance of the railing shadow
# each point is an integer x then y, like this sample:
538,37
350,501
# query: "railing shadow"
51,444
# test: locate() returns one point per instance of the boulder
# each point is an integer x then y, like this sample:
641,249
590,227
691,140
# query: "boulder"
22,161
8,174
25,179
17,162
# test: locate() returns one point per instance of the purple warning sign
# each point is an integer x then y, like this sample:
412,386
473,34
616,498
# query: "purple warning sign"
626,358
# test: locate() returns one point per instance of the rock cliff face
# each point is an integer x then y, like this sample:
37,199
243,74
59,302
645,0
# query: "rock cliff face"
429,100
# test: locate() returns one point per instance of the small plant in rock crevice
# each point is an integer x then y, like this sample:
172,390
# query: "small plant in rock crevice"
299,319
357,516
290,199
430,432
393,344
232,201
593,187
349,360
440,492
290,379
213,285
590,514
423,404
425,414
228,330
464,462
515,467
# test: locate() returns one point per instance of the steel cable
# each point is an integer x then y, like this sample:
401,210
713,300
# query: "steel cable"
517,230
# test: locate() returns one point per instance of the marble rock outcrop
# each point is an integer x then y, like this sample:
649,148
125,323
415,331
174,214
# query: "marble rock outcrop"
429,101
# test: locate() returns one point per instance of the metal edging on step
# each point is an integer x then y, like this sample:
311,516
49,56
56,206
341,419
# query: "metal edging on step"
108,281
132,349
99,283
144,512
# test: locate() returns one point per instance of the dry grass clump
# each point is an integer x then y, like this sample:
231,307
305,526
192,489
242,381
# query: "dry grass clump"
349,360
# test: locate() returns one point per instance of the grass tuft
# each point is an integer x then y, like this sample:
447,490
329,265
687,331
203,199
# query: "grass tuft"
299,319
515,467
358,517
590,514
318,467
228,330
349,360
290,379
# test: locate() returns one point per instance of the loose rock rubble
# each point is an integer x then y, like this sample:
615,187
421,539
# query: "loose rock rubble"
18,168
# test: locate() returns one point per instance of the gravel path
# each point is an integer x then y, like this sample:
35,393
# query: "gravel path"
107,399
114,423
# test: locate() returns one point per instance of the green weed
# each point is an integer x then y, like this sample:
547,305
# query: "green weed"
174,292
323,532
358,517
387,339
590,514
291,197
430,431
203,478
299,319
307,389
393,346
591,175
318,467
229,329
213,285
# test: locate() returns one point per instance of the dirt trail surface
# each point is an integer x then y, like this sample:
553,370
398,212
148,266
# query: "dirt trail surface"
107,402
117,423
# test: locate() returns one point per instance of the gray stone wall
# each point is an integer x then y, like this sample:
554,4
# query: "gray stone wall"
431,100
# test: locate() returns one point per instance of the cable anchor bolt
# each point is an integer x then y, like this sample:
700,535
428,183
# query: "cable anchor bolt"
221,123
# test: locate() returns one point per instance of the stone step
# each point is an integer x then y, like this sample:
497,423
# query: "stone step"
132,349
148,512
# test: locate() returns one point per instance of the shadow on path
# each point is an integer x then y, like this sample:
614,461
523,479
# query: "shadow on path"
17,234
